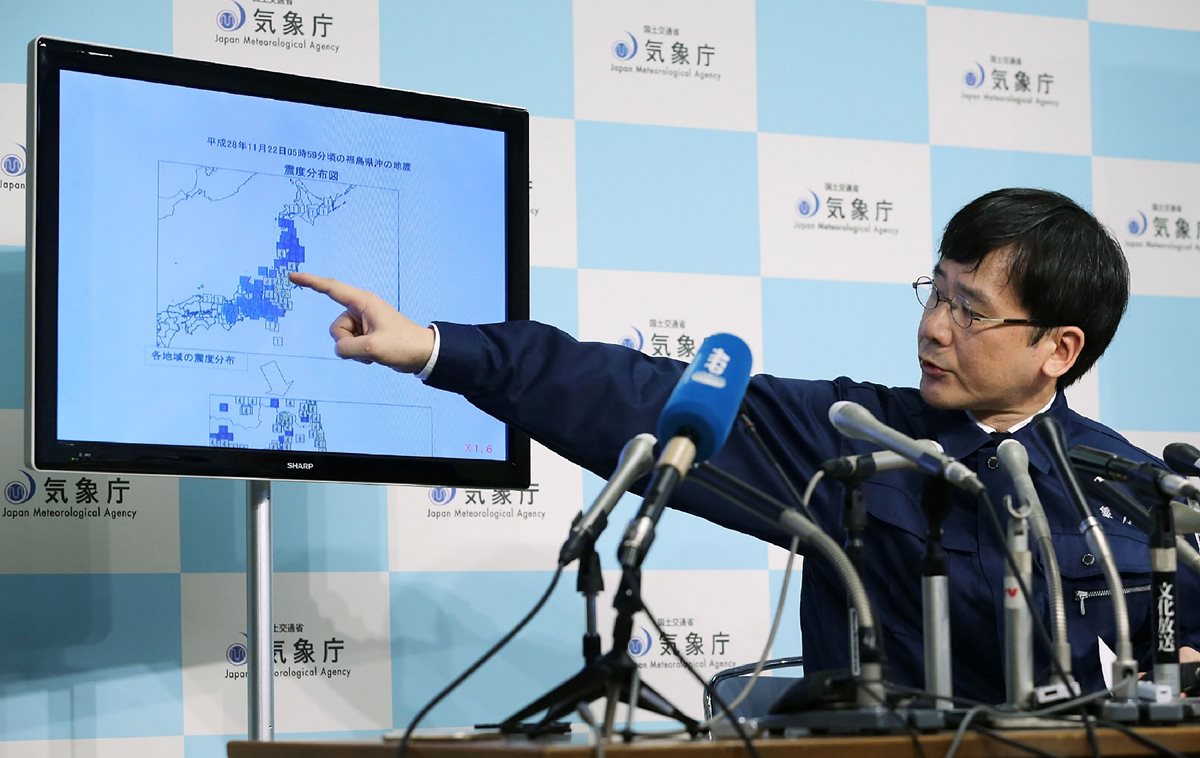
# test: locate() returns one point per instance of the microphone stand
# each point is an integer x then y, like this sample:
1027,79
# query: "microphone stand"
870,712
856,522
935,596
613,675
590,583
1018,624
1158,522
1163,562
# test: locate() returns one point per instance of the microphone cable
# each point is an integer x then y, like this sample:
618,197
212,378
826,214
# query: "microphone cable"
403,749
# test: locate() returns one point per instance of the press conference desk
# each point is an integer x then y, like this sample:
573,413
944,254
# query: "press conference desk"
1183,739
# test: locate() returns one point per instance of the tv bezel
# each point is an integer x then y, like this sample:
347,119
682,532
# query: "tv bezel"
46,452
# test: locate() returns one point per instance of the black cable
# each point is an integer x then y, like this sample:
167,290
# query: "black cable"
737,726
752,430
914,734
1145,741
713,479
403,749
1035,616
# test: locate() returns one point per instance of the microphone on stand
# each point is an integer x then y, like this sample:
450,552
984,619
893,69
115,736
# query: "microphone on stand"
1015,461
634,462
857,467
695,422
1124,667
856,422
1182,458
1155,481
1147,477
1140,517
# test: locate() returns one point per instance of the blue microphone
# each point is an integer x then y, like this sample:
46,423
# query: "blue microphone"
694,422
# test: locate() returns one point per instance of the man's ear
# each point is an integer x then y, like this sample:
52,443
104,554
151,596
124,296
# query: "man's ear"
1067,344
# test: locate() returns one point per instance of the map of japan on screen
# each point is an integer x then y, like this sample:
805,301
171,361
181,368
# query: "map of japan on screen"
178,229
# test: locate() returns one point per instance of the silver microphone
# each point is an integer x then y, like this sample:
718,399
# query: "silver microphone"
856,422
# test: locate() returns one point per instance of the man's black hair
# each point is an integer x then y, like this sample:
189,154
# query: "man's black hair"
1064,266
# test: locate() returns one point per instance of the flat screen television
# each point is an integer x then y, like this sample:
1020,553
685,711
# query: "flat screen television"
168,201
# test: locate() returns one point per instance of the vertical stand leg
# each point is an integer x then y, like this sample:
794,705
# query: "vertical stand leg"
260,679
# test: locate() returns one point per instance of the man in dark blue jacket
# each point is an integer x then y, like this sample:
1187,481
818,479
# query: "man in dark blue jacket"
1034,289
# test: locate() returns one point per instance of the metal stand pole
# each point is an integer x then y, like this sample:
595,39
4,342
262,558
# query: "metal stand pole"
260,671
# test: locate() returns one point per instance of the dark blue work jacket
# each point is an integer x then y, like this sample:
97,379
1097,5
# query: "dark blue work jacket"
584,401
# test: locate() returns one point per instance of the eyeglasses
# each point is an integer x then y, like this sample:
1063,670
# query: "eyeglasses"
930,297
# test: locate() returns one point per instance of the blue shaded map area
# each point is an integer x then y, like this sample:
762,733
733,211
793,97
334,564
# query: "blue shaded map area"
265,423
266,295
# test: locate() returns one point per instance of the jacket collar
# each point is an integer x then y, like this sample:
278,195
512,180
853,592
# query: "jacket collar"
961,437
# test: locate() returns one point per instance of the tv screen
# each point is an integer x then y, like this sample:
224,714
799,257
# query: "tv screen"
169,201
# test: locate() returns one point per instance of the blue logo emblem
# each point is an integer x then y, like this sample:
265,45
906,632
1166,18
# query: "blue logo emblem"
1137,226
635,342
808,206
441,495
13,164
625,50
638,646
231,20
236,654
975,77
17,492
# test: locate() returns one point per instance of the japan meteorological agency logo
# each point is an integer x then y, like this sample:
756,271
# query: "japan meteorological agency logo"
639,646
236,654
13,164
442,495
17,492
808,206
625,49
230,20
636,341
974,78
1137,226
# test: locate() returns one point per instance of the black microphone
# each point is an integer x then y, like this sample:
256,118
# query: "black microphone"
694,422
634,462
1147,477
1182,458
868,465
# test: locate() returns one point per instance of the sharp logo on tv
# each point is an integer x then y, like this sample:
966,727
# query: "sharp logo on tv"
846,209
300,466
12,167
663,52
1166,227
1009,79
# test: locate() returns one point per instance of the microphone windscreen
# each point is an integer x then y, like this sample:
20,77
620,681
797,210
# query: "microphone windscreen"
1182,458
707,398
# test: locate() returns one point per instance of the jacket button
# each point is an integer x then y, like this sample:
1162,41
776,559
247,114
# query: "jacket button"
1088,559
993,463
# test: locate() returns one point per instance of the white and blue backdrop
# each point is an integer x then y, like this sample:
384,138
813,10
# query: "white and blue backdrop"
778,169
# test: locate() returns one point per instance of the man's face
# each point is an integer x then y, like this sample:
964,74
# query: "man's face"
987,369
